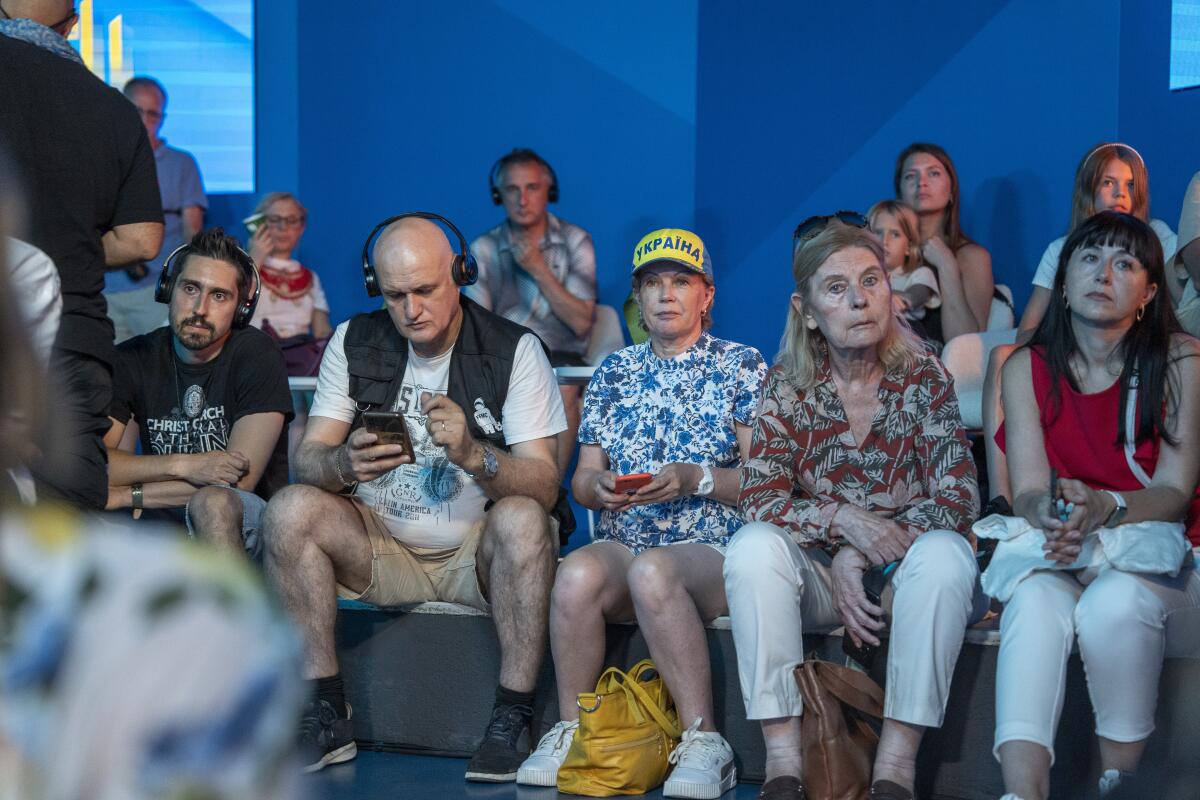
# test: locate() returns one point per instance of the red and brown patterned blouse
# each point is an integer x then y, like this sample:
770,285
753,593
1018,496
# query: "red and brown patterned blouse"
914,467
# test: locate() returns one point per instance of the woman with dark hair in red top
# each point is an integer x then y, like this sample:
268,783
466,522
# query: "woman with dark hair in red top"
1107,396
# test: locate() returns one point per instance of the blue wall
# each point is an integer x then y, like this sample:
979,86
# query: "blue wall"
1015,91
738,118
1162,125
405,106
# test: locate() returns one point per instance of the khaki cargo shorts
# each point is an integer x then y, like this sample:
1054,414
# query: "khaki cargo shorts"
402,575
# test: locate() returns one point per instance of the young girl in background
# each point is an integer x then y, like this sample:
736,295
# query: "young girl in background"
1110,177
914,286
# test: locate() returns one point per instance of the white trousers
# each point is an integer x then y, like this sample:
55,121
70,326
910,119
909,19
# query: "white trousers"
1121,621
778,590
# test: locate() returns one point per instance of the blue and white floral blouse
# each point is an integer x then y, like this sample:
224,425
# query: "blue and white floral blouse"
138,664
646,412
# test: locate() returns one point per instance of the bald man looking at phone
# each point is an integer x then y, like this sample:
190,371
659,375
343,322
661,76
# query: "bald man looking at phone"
465,521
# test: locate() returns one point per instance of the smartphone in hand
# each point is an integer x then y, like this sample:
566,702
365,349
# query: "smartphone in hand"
254,222
390,428
864,654
1059,507
628,484
874,581
1054,492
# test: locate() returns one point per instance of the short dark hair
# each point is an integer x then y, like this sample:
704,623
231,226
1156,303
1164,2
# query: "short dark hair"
522,155
215,244
144,82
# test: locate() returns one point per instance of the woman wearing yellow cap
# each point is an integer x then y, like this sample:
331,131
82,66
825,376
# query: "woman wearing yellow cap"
665,429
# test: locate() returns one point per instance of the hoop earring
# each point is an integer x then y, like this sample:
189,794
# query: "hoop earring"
1141,312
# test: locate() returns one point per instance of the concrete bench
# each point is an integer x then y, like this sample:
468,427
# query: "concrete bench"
422,679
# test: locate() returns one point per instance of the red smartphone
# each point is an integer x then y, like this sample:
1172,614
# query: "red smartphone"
628,484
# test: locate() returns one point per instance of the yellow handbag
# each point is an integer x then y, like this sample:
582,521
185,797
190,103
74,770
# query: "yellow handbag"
627,730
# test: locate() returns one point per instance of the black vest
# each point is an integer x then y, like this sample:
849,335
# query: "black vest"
480,366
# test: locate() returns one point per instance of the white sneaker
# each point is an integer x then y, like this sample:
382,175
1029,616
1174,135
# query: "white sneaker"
703,766
1110,780
541,768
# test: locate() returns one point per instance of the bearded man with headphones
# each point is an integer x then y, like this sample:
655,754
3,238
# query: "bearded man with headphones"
207,396
458,510
539,271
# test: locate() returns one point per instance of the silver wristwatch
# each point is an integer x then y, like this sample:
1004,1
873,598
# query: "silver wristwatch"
490,465
706,484
1118,513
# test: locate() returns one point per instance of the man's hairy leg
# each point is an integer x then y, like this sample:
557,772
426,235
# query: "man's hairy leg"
516,569
314,540
216,516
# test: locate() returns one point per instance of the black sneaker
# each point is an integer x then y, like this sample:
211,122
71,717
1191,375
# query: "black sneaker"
498,759
325,738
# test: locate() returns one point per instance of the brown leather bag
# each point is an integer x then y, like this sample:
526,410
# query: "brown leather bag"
839,743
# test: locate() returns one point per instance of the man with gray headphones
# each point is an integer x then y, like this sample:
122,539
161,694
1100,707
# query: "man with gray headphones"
539,271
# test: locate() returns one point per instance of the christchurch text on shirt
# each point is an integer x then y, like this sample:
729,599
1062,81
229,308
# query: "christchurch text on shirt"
209,431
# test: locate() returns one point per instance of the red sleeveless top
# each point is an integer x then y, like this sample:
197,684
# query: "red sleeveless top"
1081,439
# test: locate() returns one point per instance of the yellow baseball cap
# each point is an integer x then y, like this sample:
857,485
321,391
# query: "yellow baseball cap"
673,245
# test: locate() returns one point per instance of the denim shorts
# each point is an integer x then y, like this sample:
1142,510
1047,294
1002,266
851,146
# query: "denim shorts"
252,511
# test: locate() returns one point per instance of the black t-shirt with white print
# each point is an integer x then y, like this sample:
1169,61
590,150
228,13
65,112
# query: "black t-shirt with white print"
192,408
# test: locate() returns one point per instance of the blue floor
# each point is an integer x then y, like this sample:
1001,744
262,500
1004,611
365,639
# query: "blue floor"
390,776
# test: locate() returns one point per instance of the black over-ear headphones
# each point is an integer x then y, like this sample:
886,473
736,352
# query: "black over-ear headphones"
464,269
170,273
518,155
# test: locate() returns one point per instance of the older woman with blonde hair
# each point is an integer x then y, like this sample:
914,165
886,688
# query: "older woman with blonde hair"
858,462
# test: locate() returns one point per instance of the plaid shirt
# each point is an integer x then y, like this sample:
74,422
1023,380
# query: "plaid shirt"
505,288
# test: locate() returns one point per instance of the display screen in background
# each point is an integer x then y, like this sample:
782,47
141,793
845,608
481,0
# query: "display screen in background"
1185,44
202,52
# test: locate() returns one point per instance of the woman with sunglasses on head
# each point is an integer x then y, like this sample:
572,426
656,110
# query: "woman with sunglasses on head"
1110,177
926,180
1102,426
858,462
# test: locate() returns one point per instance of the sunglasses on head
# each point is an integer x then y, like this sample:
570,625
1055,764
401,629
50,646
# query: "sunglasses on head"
814,225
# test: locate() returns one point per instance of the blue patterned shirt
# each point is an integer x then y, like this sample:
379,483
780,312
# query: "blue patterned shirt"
646,412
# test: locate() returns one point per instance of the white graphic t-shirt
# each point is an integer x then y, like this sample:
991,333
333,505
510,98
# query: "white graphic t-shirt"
434,503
